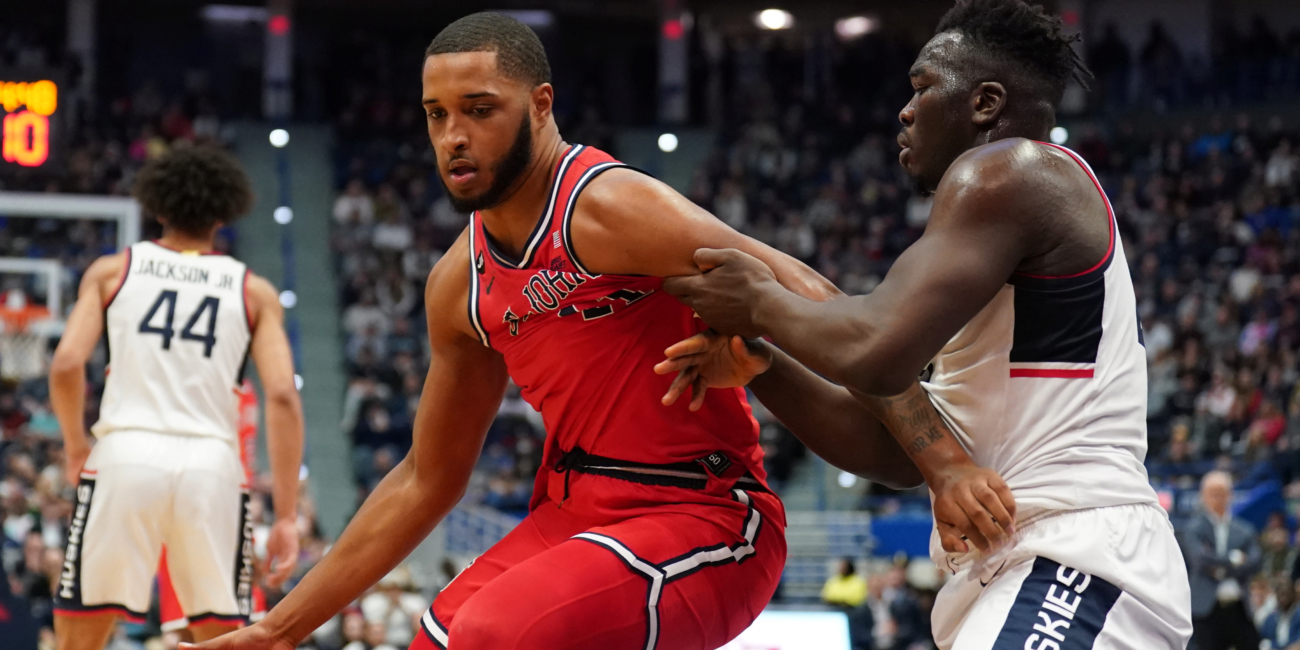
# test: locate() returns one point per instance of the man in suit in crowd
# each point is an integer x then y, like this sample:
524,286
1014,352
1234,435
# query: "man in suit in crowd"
1222,555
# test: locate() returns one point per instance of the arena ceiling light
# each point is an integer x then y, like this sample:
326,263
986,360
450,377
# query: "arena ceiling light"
668,142
1059,135
774,19
854,27
235,14
279,138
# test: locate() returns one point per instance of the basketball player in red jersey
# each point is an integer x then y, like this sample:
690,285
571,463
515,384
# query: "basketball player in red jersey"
651,526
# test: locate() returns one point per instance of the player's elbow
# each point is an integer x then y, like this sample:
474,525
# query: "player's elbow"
66,364
285,398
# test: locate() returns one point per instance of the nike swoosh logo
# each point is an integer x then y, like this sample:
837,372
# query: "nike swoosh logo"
995,574
489,287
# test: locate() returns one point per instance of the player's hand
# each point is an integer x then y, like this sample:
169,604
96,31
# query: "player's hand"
725,293
281,551
253,637
74,460
711,360
973,503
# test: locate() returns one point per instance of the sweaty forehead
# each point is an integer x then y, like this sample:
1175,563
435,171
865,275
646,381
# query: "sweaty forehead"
941,54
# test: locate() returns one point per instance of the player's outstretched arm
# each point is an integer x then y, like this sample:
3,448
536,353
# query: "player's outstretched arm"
877,344
84,328
462,391
284,423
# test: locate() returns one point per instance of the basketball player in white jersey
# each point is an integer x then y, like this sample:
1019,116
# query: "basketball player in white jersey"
1017,310
181,322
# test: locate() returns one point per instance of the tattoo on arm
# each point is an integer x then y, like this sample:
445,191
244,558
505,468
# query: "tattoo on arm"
908,413
924,440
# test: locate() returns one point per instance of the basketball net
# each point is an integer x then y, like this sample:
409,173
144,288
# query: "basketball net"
22,342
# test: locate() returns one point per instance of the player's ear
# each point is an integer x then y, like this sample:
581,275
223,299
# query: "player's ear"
542,100
988,101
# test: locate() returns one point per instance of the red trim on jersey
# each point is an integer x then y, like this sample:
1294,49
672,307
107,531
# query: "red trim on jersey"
89,472
177,250
126,268
1055,373
1110,212
248,315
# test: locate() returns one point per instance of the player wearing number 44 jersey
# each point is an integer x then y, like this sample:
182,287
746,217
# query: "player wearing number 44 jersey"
181,323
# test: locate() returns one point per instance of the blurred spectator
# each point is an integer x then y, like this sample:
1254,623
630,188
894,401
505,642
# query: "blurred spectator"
396,606
1222,554
846,589
1281,628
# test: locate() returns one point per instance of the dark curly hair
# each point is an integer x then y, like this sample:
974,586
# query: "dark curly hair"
194,188
520,54
1024,33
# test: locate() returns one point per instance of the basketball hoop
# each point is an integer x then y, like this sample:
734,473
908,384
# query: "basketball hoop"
23,337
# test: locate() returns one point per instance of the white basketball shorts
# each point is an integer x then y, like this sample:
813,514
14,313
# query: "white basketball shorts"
140,490
1103,578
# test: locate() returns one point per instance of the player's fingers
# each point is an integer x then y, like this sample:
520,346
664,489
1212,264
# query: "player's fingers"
694,345
710,258
989,499
999,486
698,388
950,538
281,573
982,531
680,383
680,363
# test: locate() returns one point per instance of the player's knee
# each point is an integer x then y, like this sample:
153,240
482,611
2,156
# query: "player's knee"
490,624
480,629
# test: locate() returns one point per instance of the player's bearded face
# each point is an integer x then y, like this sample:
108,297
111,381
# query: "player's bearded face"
504,173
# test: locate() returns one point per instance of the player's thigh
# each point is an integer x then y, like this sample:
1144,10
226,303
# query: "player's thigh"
209,541
575,596
115,536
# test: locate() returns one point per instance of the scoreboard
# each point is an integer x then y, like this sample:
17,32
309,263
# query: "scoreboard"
29,106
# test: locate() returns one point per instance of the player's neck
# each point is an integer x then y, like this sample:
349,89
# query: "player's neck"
511,222
179,241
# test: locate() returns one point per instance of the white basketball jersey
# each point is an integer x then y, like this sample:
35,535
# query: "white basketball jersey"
1047,385
178,339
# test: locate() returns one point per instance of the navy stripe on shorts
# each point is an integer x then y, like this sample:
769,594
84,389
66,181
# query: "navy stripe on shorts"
1058,608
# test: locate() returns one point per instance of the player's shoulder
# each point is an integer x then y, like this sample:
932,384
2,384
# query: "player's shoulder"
1011,166
106,273
622,190
446,294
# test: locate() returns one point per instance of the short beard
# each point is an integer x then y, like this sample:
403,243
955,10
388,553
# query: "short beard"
504,174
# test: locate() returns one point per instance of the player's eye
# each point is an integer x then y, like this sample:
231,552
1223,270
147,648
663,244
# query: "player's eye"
436,114
480,110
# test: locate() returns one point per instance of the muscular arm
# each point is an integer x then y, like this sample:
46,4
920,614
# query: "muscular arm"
84,328
833,423
981,228
631,224
462,391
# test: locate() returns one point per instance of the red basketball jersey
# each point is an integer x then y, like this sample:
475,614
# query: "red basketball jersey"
582,347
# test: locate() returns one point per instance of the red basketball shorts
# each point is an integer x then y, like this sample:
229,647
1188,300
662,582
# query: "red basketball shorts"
652,574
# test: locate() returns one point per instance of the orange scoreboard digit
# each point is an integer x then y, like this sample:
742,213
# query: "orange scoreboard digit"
29,107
